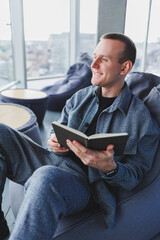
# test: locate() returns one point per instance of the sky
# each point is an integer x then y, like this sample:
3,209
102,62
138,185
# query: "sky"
137,19
42,18
45,15
5,32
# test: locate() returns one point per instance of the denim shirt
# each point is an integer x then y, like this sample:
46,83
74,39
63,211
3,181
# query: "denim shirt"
127,114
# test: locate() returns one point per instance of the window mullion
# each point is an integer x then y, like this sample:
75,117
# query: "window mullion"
17,26
74,30
143,65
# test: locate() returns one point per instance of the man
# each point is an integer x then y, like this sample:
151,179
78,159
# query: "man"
74,178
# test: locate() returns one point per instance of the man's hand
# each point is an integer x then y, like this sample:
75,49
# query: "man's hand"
55,146
103,160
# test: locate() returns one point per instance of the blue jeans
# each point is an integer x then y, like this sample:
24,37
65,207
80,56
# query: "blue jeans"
51,194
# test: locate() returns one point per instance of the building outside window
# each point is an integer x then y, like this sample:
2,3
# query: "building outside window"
46,30
47,35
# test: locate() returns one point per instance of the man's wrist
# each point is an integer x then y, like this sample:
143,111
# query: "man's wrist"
110,167
111,172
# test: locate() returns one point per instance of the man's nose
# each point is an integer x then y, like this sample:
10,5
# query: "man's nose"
95,63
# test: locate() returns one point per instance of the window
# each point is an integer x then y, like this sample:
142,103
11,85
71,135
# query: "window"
47,35
46,29
88,25
6,58
153,47
136,27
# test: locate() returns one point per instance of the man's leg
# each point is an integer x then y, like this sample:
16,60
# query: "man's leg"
51,194
19,157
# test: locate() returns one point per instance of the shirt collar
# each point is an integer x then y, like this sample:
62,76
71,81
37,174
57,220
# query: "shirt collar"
124,99
121,102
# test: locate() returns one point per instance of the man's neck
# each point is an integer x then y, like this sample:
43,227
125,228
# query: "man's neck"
112,91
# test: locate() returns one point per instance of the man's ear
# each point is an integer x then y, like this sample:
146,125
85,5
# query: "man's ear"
126,67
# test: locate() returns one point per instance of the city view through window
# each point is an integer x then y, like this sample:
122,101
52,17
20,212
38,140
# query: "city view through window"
48,35
51,58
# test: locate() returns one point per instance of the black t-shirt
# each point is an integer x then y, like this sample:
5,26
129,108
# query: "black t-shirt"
103,103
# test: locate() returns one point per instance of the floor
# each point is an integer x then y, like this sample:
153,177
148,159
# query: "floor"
45,132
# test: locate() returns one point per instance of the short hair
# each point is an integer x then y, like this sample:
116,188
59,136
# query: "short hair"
129,52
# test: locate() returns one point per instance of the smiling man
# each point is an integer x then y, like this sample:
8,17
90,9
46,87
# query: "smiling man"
75,178
108,71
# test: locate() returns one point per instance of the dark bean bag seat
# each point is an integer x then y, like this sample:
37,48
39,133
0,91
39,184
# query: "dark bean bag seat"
147,87
78,76
141,83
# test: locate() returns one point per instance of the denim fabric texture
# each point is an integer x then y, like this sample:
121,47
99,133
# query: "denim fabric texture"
51,194
20,157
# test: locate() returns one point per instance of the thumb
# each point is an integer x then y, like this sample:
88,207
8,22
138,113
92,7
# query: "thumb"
109,151
110,148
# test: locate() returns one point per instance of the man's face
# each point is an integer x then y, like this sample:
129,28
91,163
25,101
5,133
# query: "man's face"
106,71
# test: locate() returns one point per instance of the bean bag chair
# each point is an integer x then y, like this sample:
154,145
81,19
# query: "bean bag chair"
78,76
141,83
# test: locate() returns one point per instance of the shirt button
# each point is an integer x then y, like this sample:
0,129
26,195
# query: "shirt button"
86,125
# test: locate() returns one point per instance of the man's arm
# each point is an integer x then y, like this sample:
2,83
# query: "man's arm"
130,171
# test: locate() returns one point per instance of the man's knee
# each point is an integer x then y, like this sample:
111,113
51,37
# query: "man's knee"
61,187
42,178
47,178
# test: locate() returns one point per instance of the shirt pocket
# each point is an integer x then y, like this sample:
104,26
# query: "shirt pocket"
131,147
74,120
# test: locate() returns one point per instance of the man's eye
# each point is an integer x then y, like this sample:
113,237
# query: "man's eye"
104,59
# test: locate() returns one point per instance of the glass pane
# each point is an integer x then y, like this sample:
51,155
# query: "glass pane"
46,27
88,25
136,26
6,58
153,48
